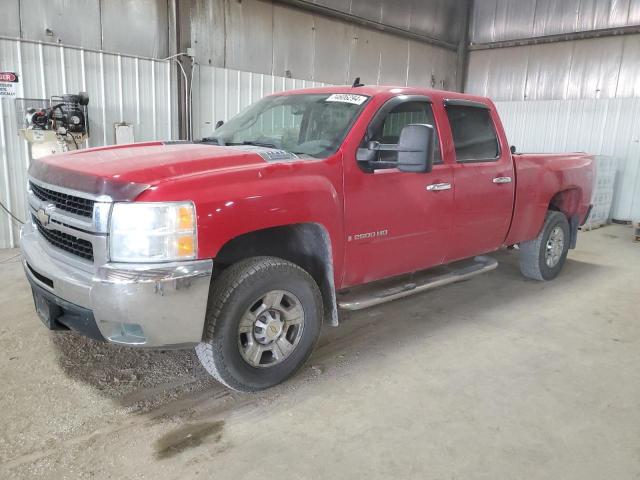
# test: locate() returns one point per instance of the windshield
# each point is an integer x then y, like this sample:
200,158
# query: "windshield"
311,125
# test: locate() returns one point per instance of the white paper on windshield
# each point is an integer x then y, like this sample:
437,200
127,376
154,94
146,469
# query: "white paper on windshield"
347,98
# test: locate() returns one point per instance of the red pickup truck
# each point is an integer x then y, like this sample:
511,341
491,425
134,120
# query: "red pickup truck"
305,203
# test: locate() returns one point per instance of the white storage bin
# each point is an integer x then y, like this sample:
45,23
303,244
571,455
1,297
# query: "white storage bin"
603,189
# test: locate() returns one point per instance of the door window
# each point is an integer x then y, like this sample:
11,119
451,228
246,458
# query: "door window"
400,116
474,135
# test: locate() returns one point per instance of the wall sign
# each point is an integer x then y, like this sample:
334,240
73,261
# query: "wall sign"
8,84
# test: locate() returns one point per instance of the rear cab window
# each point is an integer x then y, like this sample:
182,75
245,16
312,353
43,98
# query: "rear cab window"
474,133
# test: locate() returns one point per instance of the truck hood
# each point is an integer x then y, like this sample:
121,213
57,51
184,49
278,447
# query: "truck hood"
122,172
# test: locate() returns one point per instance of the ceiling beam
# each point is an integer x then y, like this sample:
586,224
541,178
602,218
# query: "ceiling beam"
350,18
561,37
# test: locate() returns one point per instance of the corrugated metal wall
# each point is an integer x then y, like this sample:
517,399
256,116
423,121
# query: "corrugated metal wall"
499,20
599,126
441,19
557,94
133,27
121,88
220,93
594,68
275,39
605,67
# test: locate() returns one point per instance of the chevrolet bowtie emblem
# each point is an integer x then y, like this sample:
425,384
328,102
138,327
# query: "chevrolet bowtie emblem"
44,214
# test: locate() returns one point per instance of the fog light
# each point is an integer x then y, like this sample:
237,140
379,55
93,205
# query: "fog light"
125,333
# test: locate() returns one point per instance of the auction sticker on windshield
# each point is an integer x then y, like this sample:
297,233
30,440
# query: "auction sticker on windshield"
347,98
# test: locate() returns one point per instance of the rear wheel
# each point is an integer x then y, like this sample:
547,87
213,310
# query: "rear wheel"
543,257
263,320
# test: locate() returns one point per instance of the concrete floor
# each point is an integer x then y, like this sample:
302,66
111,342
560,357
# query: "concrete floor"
498,377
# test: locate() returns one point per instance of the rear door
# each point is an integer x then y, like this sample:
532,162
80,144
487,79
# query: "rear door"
483,177
395,223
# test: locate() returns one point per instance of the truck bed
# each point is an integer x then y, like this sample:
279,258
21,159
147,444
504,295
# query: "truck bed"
562,180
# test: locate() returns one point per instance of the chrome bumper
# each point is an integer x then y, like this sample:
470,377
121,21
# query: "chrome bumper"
148,305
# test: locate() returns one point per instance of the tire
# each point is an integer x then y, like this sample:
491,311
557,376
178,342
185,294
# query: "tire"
238,301
535,261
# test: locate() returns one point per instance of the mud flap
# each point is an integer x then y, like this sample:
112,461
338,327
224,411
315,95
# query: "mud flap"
574,223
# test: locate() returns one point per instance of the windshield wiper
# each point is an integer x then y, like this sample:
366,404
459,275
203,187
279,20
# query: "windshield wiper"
272,145
305,153
261,144
220,141
216,140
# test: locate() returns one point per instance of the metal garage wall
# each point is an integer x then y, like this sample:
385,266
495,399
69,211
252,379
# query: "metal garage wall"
599,126
10,19
121,88
582,87
595,68
276,39
499,20
132,27
441,19
220,93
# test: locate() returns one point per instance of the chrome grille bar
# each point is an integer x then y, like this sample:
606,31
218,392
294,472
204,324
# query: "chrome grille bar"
63,201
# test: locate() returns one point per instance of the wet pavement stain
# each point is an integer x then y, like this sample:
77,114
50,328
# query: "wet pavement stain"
187,437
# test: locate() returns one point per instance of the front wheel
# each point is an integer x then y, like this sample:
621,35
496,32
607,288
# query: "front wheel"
543,257
263,320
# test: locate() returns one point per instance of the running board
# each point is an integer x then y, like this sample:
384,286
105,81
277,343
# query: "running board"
383,291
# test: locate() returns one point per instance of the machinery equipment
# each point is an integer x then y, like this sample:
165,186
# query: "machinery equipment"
56,125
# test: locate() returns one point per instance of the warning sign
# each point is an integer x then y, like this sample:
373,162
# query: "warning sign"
8,84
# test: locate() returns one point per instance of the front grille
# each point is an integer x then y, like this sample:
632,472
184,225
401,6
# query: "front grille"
66,242
68,203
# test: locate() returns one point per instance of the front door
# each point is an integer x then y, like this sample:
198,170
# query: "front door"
396,222
484,180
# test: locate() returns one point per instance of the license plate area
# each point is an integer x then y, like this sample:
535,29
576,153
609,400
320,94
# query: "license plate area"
47,311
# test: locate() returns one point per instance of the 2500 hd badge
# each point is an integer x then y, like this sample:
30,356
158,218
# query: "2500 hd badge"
363,236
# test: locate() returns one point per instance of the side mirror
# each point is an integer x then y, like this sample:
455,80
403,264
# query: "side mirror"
416,148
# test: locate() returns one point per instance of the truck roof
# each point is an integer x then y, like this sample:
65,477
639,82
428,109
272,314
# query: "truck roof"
387,90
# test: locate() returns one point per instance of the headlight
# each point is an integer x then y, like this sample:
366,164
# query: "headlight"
152,232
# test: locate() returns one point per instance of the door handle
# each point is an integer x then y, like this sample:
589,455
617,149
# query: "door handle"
436,187
502,180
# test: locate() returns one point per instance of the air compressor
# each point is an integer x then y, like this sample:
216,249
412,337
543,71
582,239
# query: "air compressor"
61,126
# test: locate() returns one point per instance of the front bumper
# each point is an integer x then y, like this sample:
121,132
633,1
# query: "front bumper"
147,305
